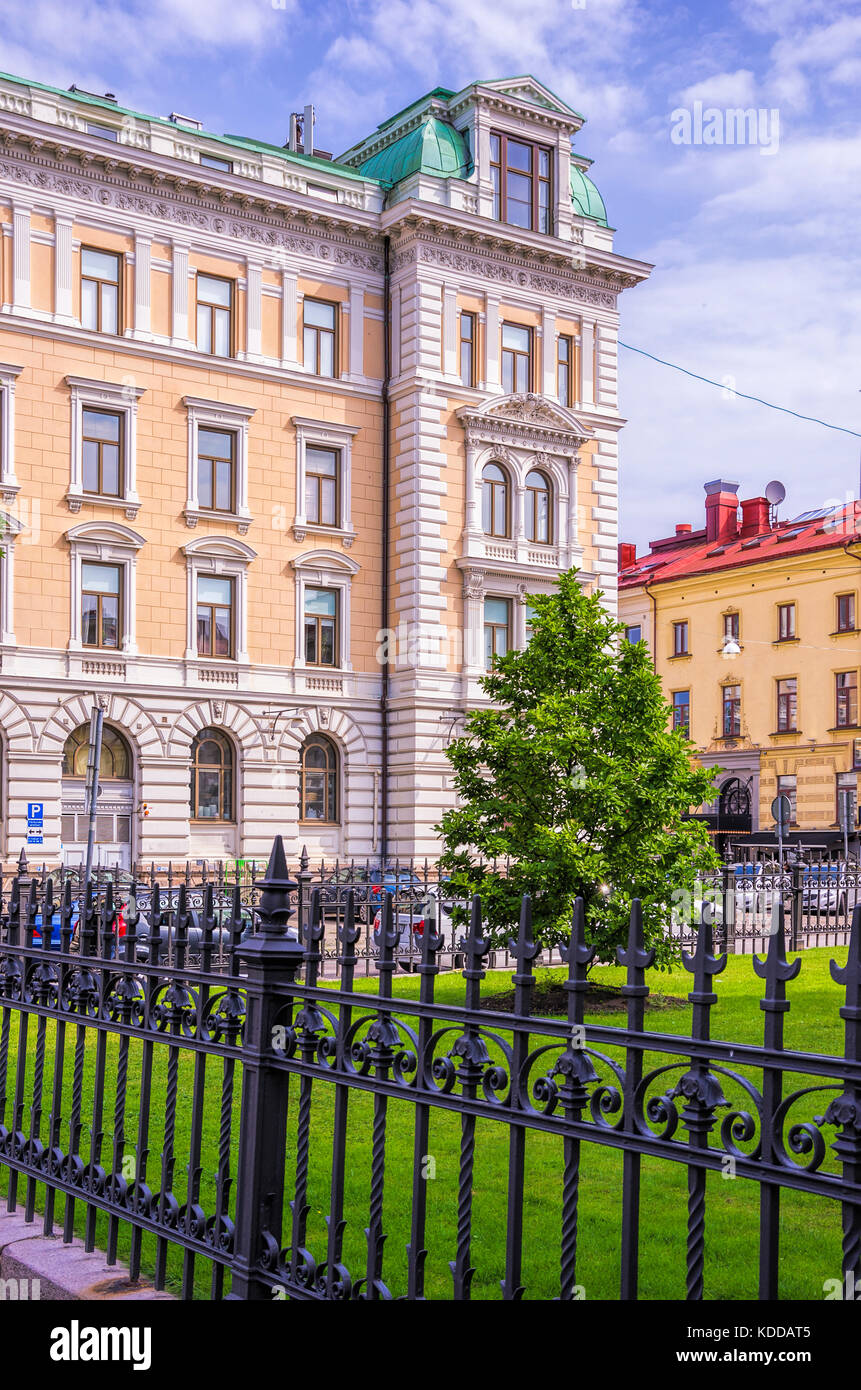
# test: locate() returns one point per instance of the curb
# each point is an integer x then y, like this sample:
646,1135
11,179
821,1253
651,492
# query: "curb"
43,1267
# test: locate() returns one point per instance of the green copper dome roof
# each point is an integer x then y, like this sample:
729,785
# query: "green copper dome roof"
586,198
432,148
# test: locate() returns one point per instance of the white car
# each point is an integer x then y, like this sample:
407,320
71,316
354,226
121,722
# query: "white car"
429,911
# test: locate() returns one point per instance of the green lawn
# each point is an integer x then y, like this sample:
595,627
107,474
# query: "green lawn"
810,1225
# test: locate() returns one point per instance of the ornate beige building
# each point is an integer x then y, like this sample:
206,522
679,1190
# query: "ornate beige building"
273,541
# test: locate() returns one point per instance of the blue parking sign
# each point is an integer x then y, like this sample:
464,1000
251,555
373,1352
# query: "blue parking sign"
36,811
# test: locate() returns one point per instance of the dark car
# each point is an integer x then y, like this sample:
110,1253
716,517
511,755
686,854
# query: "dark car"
368,885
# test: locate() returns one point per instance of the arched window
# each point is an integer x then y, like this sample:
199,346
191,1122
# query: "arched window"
212,776
116,759
495,506
318,780
539,526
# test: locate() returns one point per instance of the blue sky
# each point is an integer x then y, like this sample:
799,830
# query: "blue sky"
757,254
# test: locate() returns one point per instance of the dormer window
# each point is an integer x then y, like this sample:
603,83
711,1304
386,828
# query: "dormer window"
521,174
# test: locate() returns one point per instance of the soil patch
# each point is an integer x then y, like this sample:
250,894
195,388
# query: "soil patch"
549,999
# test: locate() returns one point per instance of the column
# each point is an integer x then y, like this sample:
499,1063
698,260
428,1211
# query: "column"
548,342
180,296
62,267
587,364
289,311
253,310
143,284
449,331
356,366
20,257
491,340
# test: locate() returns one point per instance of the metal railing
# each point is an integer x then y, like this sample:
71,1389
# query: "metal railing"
120,1097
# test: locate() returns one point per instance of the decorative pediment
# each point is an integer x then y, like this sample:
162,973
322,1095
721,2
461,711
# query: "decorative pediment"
531,92
526,421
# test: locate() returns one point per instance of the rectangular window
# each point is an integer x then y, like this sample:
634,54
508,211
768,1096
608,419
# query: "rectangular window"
732,711
634,634
216,468
516,358
787,705
319,336
214,616
521,175
322,485
321,627
731,626
788,786
527,622
785,622
856,752
210,161
847,699
100,290
497,629
104,132
467,348
845,612
682,711
102,452
564,359
214,315
680,639
847,801
100,605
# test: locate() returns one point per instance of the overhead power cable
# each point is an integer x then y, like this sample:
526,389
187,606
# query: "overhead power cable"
722,386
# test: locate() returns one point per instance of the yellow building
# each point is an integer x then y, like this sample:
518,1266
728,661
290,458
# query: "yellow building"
753,624
285,441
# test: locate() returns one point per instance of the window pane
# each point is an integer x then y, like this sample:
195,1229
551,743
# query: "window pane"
309,355
327,642
89,620
100,579
223,488
99,424
321,602
321,315
204,630
217,444
211,589
222,333
311,641
499,518
110,621
212,291
496,610
327,354
315,798
101,265
207,795
91,466
204,483
312,498
89,304
203,324
513,336
519,156
522,378
222,632
109,308
507,372
328,500
110,469
321,461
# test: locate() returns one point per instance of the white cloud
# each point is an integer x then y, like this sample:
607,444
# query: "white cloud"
723,89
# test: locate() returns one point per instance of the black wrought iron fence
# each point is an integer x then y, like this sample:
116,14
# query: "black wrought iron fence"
120,1100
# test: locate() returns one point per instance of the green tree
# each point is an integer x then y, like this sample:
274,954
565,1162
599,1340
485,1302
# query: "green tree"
574,783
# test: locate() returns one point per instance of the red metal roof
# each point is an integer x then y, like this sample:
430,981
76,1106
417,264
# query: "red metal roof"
679,557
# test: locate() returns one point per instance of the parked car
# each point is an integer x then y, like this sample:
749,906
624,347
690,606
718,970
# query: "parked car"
828,888
430,913
369,885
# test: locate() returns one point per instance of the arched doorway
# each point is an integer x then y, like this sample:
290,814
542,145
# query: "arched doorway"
114,811
735,808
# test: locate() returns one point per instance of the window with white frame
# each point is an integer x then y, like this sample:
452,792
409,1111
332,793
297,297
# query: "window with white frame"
217,462
217,598
10,528
323,479
9,485
104,559
323,582
104,444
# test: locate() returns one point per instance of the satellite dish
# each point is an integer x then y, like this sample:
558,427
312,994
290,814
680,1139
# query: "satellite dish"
775,493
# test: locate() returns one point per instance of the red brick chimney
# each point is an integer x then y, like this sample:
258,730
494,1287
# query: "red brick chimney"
721,511
754,516
627,555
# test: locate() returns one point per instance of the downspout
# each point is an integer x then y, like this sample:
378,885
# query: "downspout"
654,603
384,693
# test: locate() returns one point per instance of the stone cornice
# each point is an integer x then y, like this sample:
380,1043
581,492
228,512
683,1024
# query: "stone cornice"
507,269
267,220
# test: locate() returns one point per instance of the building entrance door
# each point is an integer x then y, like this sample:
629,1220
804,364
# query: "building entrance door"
112,846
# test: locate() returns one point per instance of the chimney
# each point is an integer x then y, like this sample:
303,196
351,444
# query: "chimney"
627,555
755,516
721,511
683,528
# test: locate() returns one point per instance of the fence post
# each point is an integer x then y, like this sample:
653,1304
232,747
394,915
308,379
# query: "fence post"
796,910
303,900
272,959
